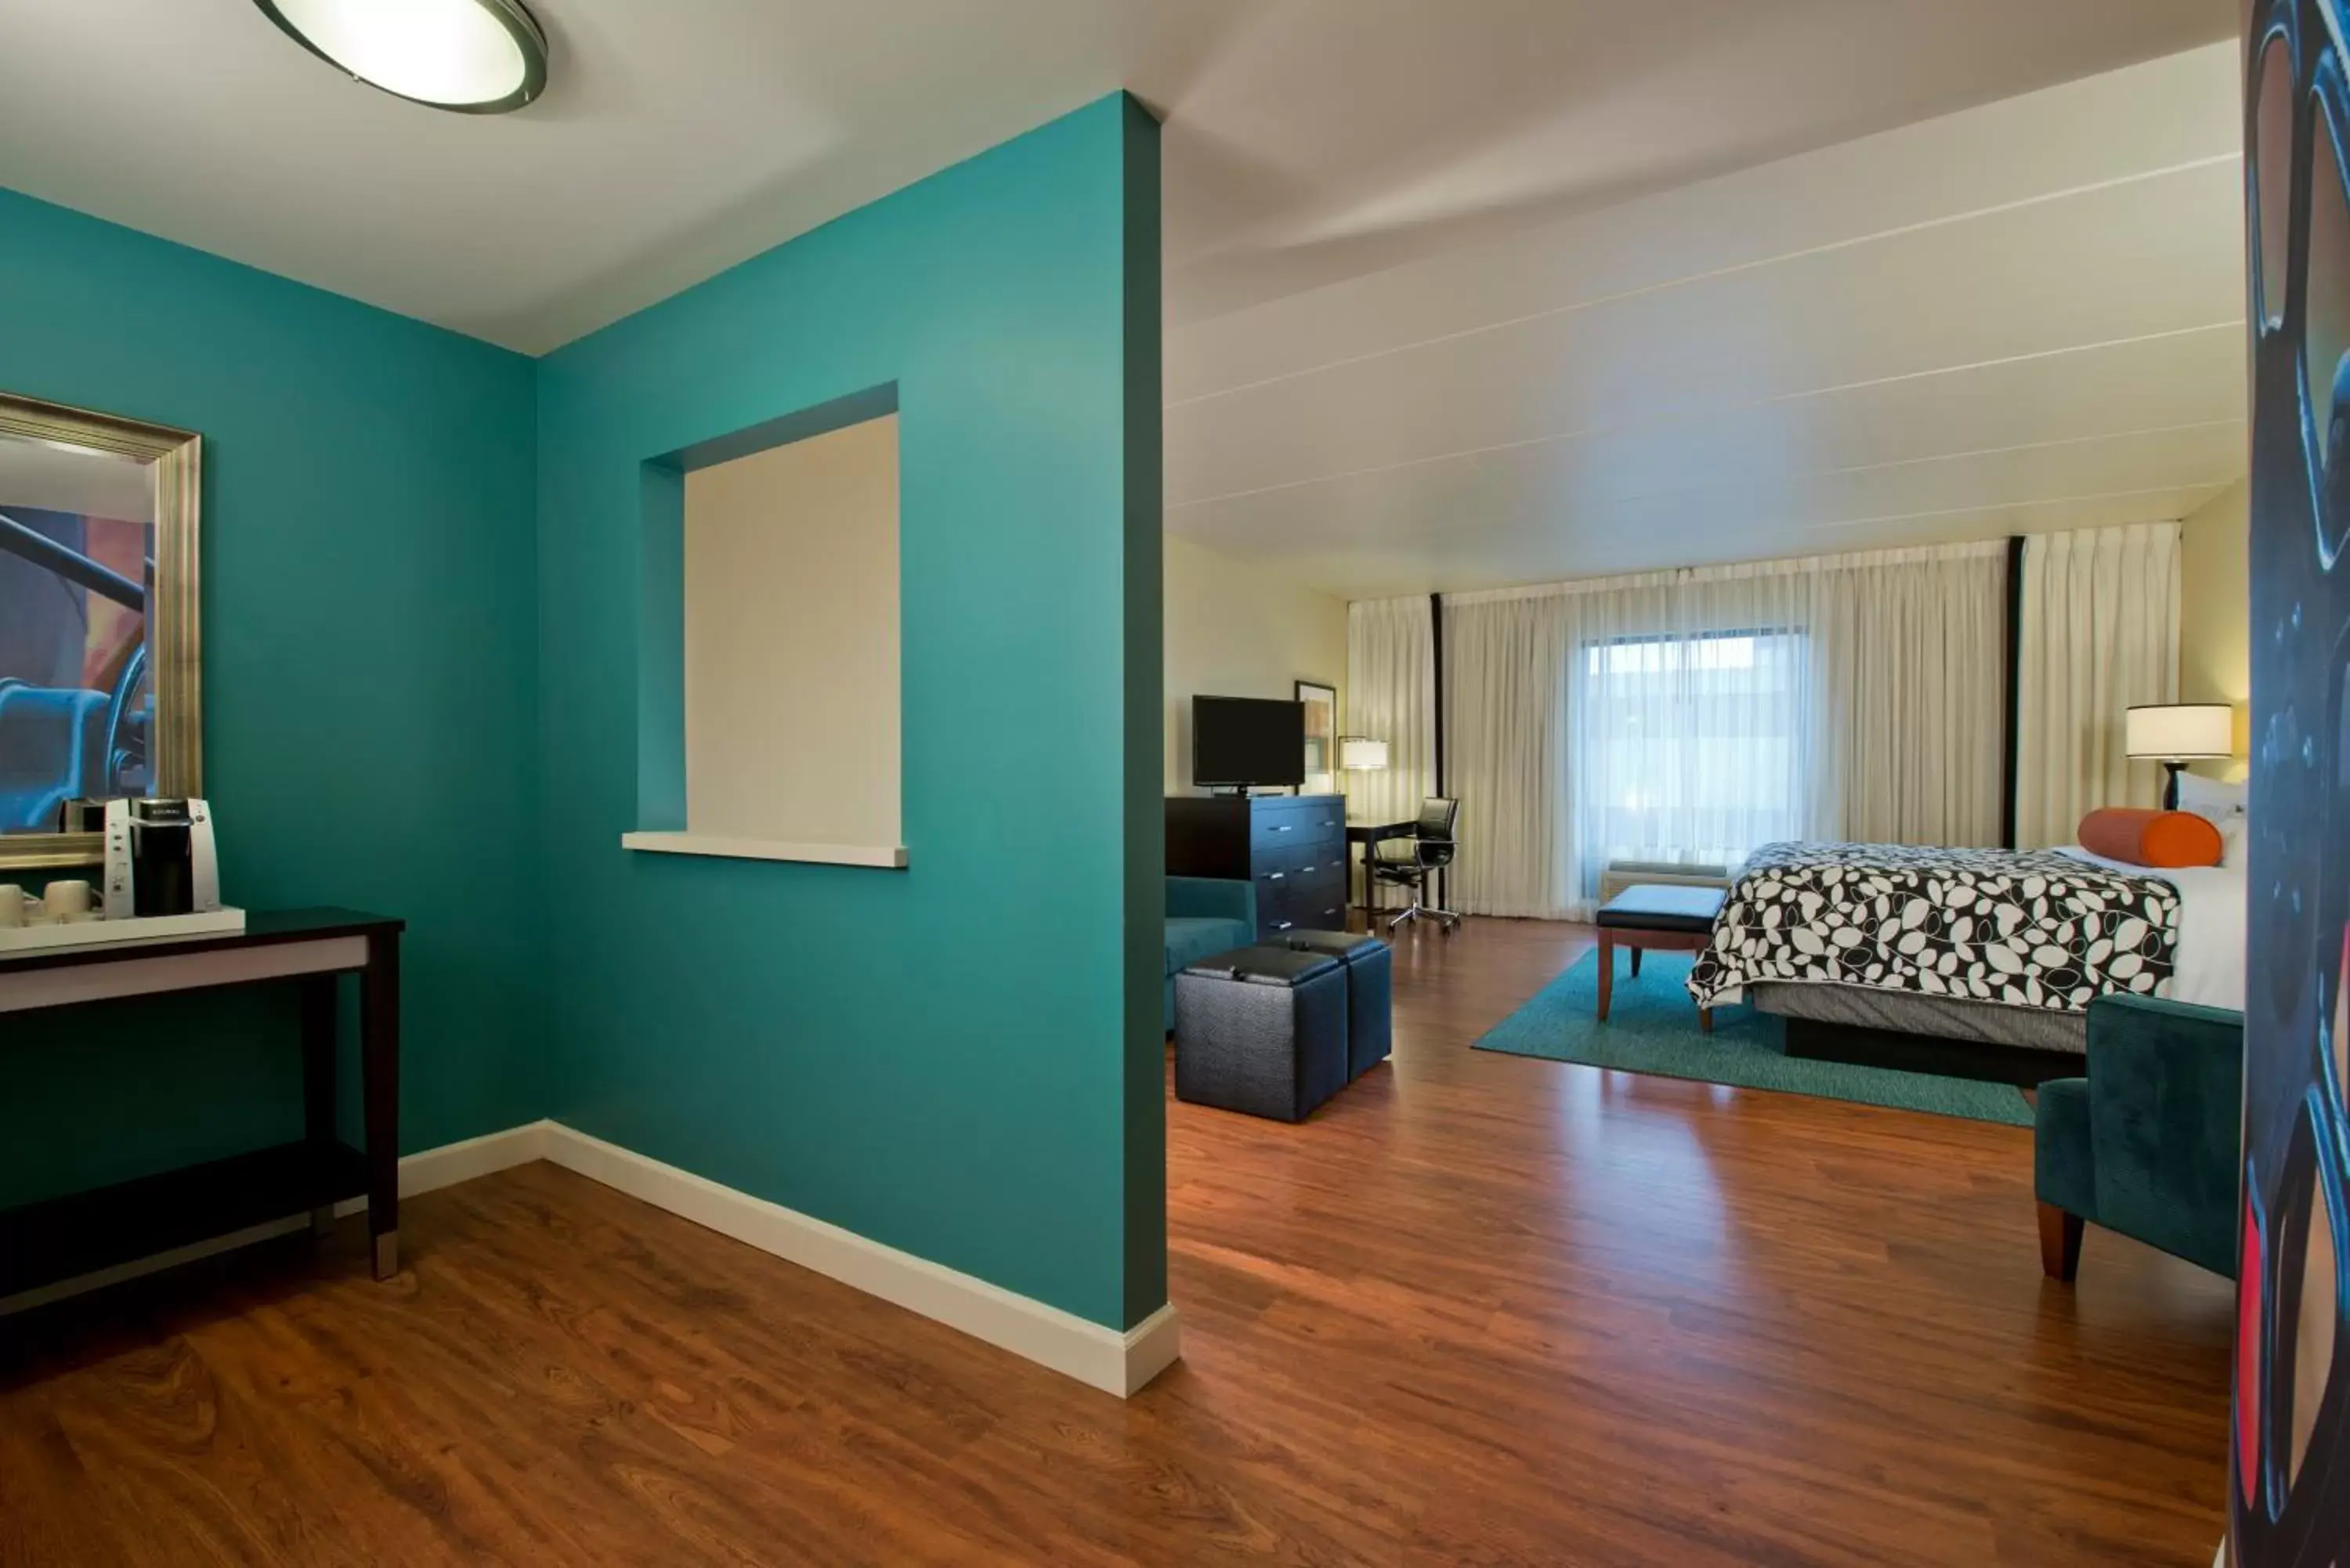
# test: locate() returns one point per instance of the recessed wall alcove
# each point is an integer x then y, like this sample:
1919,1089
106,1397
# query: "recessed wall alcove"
769,714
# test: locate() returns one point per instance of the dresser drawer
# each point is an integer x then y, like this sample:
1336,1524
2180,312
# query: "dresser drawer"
1303,901
1312,819
1280,828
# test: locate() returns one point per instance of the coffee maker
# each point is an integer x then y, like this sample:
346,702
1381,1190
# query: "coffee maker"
160,859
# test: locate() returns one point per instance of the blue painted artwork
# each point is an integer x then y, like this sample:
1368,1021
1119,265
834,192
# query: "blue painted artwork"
77,701
2290,1480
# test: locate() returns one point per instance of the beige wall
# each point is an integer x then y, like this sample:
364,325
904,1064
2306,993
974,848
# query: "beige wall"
791,642
1234,629
2215,613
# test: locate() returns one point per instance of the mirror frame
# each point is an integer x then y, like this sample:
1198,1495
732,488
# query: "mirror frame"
176,458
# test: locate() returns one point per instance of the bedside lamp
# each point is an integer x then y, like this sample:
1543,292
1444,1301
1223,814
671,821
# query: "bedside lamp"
1361,753
2175,733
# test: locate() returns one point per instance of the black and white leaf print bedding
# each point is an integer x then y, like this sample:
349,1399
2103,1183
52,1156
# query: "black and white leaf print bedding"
2031,928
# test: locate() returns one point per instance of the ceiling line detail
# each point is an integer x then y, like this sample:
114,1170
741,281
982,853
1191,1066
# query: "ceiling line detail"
1735,268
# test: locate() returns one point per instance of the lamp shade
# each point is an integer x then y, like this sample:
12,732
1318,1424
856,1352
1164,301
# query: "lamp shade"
2176,731
1361,753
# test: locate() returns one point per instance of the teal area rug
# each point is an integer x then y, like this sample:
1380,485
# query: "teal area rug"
1652,1028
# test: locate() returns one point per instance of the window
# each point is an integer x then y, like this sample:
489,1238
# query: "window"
1688,749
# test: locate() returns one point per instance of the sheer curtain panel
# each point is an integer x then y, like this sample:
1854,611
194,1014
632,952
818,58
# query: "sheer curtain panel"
1392,697
2100,632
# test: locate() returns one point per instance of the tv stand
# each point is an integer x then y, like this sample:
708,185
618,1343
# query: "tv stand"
1291,849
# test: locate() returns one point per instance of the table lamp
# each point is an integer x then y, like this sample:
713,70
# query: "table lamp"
1361,753
2175,733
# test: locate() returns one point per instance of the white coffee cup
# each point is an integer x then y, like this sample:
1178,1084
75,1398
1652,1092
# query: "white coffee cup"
66,900
13,906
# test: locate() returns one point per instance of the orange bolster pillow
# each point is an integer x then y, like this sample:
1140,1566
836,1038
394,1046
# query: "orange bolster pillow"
2143,837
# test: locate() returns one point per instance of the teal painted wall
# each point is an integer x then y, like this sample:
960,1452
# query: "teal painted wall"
962,1059
369,623
439,594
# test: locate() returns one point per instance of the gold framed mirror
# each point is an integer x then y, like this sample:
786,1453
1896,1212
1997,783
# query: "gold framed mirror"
101,681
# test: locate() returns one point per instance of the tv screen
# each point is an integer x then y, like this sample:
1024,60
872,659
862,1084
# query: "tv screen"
1247,740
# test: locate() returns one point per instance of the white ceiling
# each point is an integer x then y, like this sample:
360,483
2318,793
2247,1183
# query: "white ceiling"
1343,178
1307,139
2020,317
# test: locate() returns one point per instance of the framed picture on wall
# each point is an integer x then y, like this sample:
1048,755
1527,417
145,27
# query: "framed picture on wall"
1321,736
100,678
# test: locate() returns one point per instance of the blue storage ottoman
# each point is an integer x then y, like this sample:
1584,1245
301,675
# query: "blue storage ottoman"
1260,1030
1370,991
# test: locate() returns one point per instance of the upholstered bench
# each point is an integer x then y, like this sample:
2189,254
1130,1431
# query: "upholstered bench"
1655,915
1370,991
1262,1031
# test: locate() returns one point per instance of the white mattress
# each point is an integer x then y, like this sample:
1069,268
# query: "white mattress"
2210,967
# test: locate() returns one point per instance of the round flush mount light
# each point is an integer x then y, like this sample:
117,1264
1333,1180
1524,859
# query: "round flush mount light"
477,57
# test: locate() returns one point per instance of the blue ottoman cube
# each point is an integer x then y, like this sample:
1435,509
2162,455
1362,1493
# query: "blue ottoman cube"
1260,1030
1371,989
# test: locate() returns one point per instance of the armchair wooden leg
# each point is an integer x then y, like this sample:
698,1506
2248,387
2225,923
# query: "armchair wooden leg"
2059,1242
1607,973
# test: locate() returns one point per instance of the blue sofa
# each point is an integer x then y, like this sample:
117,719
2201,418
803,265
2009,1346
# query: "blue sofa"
1204,917
2147,1143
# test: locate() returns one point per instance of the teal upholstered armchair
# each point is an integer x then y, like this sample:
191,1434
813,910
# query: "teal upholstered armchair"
2148,1143
1204,917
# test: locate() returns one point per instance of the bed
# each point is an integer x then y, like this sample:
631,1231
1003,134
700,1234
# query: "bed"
1999,947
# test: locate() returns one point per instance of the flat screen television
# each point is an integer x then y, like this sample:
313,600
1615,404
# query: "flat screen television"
1242,740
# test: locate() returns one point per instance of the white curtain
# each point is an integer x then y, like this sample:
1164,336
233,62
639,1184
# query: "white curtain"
2099,611
1506,664
1686,717
1910,650
1392,697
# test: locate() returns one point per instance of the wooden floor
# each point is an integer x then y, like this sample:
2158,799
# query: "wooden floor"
1482,1309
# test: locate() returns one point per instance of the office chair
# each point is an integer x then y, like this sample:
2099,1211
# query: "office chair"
1409,862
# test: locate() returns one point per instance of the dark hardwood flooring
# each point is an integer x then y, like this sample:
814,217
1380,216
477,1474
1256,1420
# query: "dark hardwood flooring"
1482,1309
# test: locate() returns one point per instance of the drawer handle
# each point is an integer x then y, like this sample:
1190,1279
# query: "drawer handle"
1274,876
1284,827
1283,925
1305,871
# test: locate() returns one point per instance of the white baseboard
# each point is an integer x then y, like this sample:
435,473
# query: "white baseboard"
1117,1363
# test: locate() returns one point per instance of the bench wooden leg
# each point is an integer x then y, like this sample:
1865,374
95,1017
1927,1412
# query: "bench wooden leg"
1636,963
1607,973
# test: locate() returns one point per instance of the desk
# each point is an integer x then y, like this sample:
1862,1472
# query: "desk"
1368,834
64,1238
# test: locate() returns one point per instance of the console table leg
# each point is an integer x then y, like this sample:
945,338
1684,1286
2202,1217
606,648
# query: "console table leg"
319,1023
380,1065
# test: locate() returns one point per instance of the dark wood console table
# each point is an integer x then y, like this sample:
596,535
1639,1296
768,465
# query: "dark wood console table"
64,1238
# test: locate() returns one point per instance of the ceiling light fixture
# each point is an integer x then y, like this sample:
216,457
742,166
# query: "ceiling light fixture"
476,56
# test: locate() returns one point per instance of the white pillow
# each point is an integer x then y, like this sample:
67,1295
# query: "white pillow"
2211,799
2222,804
2232,833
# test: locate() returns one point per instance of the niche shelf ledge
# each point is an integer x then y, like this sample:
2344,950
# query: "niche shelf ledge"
886,857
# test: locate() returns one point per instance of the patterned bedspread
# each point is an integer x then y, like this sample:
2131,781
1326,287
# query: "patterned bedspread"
2031,929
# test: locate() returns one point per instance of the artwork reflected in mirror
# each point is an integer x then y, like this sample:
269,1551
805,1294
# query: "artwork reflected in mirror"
1321,736
98,652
